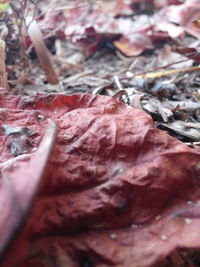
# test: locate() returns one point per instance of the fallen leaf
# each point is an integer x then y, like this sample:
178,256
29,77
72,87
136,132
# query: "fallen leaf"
196,23
116,190
133,45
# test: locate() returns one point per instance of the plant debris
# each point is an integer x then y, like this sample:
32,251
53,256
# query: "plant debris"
100,133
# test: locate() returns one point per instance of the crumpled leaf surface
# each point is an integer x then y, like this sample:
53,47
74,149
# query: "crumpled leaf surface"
116,190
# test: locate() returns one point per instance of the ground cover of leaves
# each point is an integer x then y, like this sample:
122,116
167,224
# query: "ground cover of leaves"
116,190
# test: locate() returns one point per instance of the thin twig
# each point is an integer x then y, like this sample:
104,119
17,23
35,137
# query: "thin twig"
164,73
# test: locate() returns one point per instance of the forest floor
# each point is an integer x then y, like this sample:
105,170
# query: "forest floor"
145,54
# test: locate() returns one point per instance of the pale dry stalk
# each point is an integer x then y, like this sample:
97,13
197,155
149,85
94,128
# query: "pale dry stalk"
3,73
43,54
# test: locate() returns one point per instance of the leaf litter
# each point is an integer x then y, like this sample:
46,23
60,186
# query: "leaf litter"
121,185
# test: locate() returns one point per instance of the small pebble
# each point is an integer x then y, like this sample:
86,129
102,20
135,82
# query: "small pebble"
113,236
163,237
157,218
188,221
40,117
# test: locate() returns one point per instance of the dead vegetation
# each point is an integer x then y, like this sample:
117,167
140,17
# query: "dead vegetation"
144,54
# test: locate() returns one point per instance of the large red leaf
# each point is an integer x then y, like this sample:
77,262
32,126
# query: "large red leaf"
117,191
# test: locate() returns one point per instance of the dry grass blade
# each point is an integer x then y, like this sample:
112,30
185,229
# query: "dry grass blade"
42,52
164,73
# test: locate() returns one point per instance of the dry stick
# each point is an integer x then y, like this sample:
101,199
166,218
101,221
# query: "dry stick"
3,73
159,74
42,52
